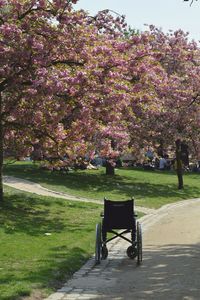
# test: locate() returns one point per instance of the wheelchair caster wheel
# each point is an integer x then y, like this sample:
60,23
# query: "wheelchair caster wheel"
104,252
131,252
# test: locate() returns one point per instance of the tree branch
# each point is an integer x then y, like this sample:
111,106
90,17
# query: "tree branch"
15,125
31,10
193,100
67,62
2,20
190,2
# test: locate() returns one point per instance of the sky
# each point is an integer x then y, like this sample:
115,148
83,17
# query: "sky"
165,14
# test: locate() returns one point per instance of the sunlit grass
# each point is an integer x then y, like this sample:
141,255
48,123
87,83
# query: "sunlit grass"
150,188
44,241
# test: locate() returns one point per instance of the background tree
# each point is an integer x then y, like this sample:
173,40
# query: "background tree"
173,112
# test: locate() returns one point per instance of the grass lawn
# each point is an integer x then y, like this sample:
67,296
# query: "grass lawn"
150,188
43,241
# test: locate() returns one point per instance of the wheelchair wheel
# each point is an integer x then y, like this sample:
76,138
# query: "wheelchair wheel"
104,252
98,244
139,243
131,252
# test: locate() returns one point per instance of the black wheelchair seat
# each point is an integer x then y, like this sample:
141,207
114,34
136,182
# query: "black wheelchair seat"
118,215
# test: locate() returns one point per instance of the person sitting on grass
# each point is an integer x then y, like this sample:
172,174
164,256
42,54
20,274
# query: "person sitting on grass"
162,163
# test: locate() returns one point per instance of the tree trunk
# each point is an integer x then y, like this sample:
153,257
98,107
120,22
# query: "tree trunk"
179,168
1,153
110,170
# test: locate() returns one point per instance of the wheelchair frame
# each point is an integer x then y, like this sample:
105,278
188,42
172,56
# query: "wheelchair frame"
118,215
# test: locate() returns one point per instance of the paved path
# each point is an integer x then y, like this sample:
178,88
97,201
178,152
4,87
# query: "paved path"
32,187
171,264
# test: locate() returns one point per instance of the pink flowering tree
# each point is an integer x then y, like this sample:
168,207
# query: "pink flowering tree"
61,89
146,77
180,59
72,84
170,112
34,49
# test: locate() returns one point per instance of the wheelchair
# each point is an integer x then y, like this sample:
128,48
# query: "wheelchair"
117,216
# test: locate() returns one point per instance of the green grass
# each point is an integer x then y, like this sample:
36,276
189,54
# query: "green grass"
150,188
43,241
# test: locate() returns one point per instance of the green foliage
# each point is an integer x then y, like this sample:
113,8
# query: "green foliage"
130,32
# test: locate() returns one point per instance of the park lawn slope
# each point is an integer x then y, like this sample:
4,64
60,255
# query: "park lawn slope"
149,188
44,240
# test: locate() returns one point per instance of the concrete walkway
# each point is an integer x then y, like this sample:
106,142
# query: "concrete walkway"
32,187
171,262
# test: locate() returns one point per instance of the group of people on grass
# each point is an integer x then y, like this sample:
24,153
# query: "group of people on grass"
161,160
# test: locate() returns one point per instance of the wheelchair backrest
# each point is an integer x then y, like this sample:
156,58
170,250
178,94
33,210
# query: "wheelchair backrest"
118,214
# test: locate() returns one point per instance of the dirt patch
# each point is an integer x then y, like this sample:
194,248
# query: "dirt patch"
35,295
